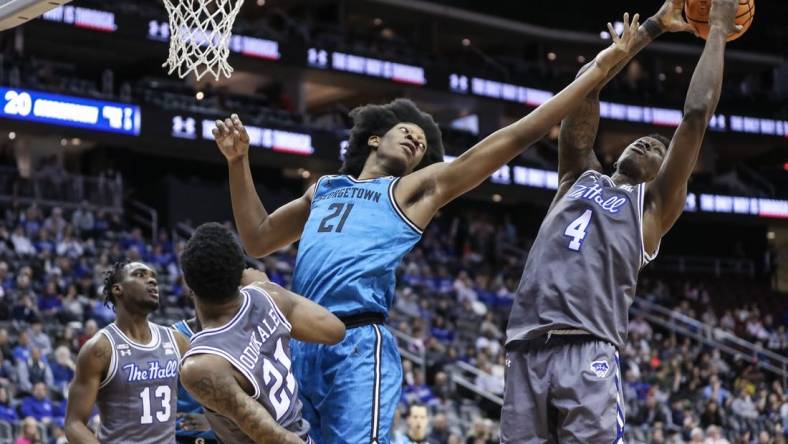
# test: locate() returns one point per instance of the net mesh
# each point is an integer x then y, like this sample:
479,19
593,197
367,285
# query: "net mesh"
200,36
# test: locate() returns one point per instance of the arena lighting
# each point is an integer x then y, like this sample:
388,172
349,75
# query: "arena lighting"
552,56
383,69
276,140
200,95
666,117
56,109
80,17
12,135
240,44
706,203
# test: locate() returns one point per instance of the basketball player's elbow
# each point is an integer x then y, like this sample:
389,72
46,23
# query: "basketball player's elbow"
334,330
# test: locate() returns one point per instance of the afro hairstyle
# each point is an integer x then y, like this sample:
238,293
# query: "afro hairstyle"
376,120
212,263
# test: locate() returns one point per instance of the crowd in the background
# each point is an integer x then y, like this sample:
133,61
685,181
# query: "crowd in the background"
454,293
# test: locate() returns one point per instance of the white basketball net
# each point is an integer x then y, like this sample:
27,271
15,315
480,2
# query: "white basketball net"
200,36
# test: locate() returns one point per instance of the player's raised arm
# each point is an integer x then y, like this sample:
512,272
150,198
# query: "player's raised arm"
439,184
668,191
210,379
261,233
579,128
92,362
310,321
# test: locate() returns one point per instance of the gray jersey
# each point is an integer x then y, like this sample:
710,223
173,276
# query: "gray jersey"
136,400
582,270
257,343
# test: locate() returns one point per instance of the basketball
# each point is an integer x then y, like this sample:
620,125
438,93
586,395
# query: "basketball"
697,13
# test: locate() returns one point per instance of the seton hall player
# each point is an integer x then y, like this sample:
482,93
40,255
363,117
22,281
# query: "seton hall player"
355,228
238,365
570,315
129,369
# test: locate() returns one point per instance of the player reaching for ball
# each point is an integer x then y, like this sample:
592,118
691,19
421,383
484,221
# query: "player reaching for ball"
356,227
569,318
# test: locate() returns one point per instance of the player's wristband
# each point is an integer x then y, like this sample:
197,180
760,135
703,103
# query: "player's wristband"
652,28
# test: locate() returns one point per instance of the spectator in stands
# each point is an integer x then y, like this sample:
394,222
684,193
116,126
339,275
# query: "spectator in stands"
69,246
73,306
38,338
7,412
711,415
55,223
22,350
440,429
82,220
62,369
34,371
744,410
90,329
716,392
39,406
7,371
418,424
50,301
480,433
713,436
29,433
22,244
25,310
418,391
696,436
5,344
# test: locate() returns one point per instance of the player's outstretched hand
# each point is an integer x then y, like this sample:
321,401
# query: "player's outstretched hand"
622,44
671,19
231,138
723,16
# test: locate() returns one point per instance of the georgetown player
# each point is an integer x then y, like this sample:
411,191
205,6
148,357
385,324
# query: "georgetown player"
355,228
238,365
129,370
191,425
563,380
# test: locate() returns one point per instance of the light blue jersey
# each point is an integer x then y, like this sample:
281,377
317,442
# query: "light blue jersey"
351,245
350,248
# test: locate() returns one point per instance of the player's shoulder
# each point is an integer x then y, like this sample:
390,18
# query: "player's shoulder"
97,351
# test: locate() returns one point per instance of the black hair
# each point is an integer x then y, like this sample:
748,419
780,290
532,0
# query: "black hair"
213,263
662,139
113,276
416,404
376,120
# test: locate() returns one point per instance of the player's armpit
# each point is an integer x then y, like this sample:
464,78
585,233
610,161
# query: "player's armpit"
262,233
93,363
310,321
209,379
181,341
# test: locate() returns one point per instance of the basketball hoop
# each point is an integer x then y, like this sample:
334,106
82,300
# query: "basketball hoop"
200,36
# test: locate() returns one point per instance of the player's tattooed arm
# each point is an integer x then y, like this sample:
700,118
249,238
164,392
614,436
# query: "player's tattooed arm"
211,381
666,195
579,129
261,233
92,365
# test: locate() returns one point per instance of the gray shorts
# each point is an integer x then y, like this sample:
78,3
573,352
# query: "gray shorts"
567,391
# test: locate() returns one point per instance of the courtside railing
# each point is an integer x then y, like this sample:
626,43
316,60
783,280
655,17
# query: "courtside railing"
724,341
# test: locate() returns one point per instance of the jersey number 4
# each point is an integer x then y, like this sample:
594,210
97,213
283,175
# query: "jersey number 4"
162,392
325,227
577,230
